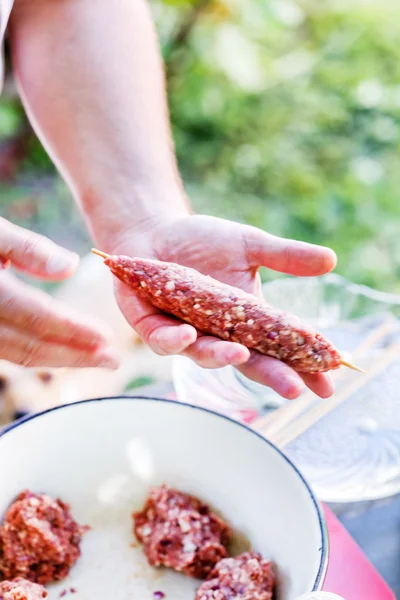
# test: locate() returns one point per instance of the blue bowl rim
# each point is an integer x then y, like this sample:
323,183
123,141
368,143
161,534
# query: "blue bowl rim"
324,548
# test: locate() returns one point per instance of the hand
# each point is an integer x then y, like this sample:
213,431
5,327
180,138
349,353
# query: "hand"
231,253
35,330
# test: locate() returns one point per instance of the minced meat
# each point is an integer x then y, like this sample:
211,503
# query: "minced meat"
39,539
181,532
21,589
245,577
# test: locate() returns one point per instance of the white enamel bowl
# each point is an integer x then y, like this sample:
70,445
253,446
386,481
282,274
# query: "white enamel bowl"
101,456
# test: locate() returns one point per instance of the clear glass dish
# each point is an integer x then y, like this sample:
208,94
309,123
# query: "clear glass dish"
353,453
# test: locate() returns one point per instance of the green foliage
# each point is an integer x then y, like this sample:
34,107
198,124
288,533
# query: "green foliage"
139,382
37,159
11,117
286,115
308,145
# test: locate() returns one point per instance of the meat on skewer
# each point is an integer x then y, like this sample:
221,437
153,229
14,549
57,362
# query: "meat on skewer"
226,312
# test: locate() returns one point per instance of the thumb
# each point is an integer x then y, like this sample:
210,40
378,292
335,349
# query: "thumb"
287,256
34,254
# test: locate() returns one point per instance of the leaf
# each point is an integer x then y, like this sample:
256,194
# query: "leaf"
139,382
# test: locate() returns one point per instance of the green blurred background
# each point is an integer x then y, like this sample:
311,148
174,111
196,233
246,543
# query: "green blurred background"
285,115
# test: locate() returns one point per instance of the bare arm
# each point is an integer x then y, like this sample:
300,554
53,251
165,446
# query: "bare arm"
91,77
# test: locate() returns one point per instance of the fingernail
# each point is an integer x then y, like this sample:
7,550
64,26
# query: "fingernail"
241,357
100,332
238,355
236,360
110,362
293,388
58,263
188,333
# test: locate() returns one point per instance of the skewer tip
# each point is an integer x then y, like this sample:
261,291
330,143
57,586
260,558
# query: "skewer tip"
100,253
344,363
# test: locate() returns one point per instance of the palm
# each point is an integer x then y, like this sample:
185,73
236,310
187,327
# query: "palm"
212,246
231,253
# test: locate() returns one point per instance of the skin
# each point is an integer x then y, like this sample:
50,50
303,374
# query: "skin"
100,109
36,330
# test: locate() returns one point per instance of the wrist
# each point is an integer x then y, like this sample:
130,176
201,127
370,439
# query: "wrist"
131,221
142,238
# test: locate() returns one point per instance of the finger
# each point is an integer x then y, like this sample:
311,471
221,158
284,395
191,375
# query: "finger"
17,347
274,374
169,339
34,253
167,335
38,314
4,264
286,256
319,383
211,353
164,335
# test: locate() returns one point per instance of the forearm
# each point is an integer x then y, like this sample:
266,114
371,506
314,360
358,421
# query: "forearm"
91,78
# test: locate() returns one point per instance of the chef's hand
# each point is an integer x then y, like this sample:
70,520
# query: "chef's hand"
111,138
35,330
233,254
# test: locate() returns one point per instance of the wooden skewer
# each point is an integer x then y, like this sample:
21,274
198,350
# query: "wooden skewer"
342,362
273,422
304,422
100,253
350,366
389,323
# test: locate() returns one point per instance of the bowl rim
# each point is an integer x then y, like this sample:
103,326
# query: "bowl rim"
324,548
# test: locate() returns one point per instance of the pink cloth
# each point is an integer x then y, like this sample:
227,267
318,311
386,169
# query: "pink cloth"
350,574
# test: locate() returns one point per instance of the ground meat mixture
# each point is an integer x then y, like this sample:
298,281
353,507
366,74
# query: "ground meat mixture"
246,577
226,312
180,532
21,589
39,539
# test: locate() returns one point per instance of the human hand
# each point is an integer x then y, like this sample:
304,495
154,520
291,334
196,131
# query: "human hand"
35,330
233,254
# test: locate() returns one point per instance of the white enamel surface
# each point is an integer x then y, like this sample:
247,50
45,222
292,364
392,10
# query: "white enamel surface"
101,458
320,596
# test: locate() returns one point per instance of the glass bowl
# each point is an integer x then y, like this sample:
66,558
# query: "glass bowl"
353,453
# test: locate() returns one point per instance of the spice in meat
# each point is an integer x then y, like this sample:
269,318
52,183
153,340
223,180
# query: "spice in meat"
21,589
226,312
245,577
180,532
39,539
